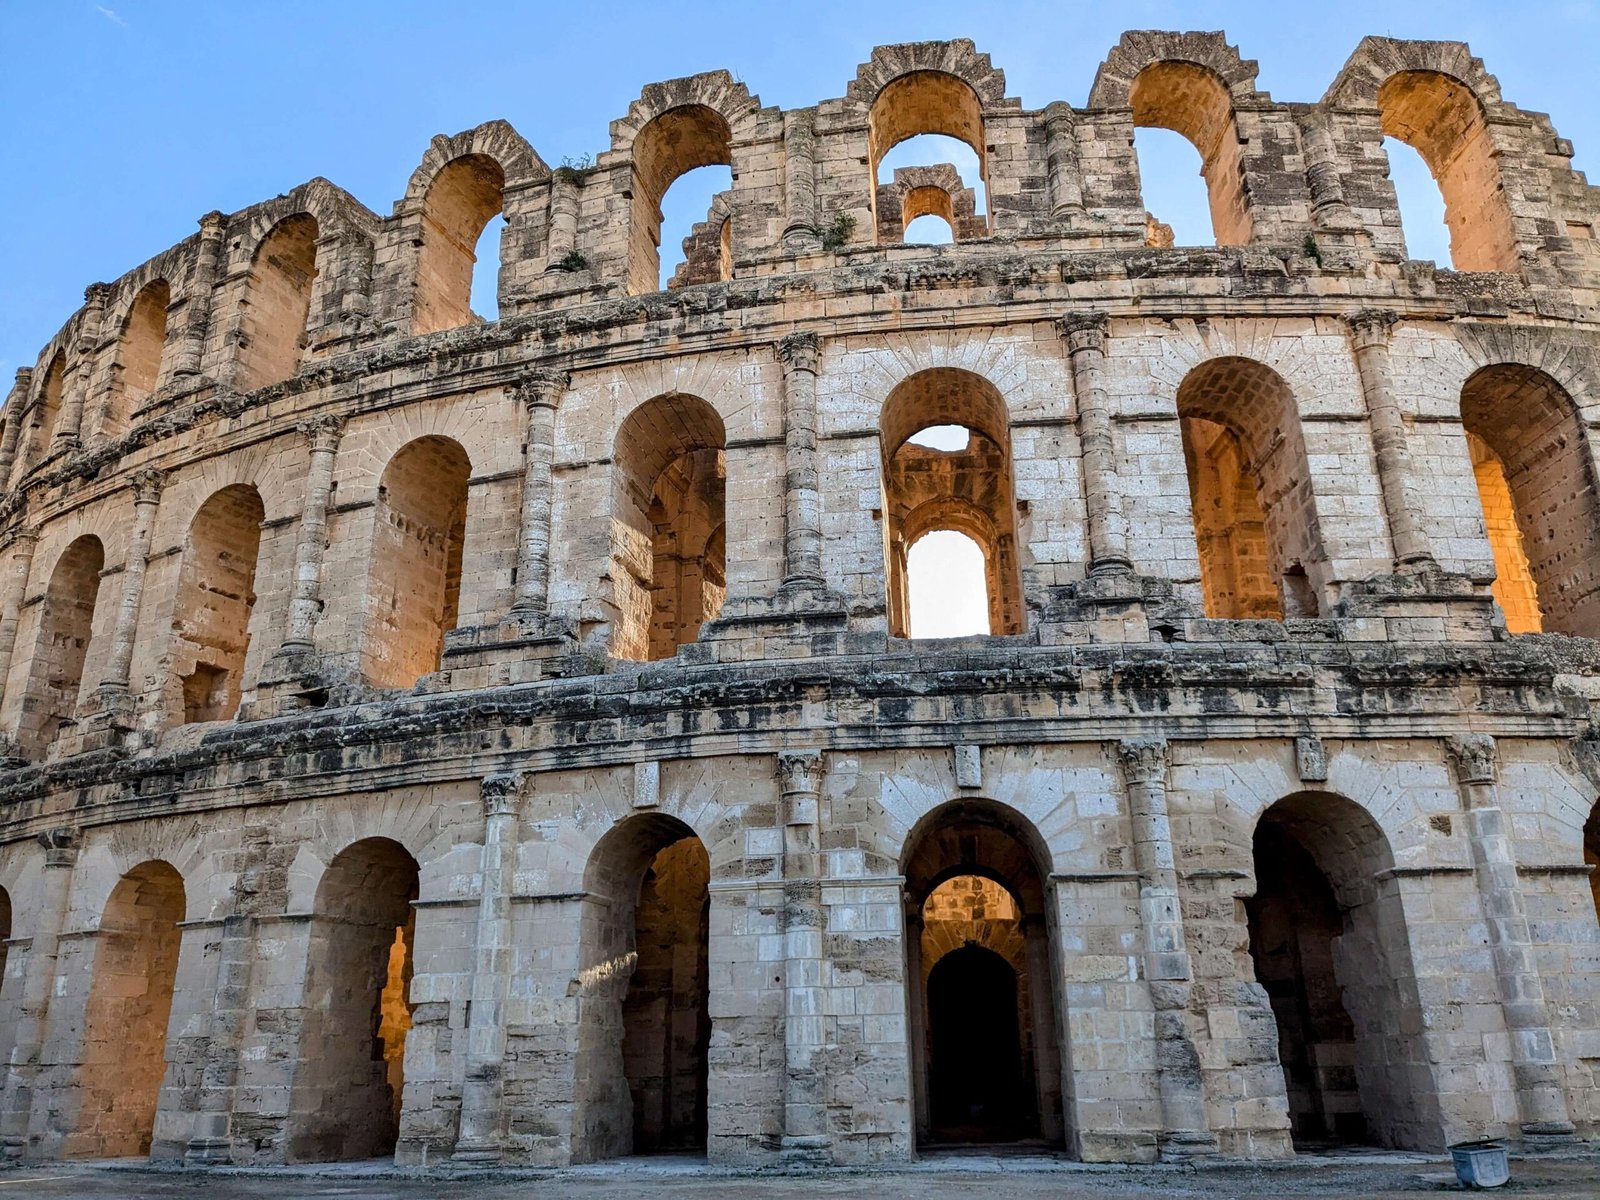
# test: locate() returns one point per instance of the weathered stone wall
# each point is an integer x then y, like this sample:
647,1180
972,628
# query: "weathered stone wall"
495,740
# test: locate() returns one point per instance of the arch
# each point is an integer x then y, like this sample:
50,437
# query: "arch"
968,490
66,625
5,947
975,873
215,599
139,353
1250,490
1194,101
1444,121
46,411
277,304
669,491
130,1004
920,102
644,1029
1530,427
464,196
1327,939
947,584
349,1079
418,544
1591,854
668,145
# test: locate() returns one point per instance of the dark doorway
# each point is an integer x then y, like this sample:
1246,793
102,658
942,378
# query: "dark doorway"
975,1075
1294,924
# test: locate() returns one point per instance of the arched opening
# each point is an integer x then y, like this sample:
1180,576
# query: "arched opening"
1249,490
1444,121
967,489
66,623
928,205
144,338
1421,204
125,1026
668,539
1591,855
1193,101
216,595
349,1081
947,586
277,304
644,1017
697,225
1327,941
939,118
1536,483
669,146
46,410
985,1039
418,539
466,194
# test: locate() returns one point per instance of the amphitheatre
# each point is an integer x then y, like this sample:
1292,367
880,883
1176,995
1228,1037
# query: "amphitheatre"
502,742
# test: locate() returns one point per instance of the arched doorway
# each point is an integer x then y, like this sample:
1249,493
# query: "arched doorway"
1326,940
1591,855
645,1017
985,1042
125,1026
349,1082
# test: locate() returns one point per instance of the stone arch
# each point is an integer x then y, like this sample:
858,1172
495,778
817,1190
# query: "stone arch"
1539,462
277,303
6,917
130,1003
66,625
644,1024
1436,97
959,485
140,349
976,872
936,191
668,492
212,612
1250,490
1328,940
1591,854
673,128
349,1077
46,411
519,163
419,538
1194,102
462,198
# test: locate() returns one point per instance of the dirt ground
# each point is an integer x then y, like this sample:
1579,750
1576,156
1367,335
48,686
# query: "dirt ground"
936,1179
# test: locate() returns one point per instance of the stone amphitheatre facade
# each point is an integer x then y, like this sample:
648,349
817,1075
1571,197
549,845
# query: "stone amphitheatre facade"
502,742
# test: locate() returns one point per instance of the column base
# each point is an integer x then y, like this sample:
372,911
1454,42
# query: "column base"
1185,1146
292,679
208,1152
477,1153
807,1150
1548,1137
1113,604
1422,602
803,613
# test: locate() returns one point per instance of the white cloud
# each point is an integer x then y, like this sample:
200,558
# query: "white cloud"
110,15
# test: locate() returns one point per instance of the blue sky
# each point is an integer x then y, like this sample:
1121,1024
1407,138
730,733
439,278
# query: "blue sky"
122,121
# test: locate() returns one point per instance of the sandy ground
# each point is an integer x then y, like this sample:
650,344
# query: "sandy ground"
1017,1178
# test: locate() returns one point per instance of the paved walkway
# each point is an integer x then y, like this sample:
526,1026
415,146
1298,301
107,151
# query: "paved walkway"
1376,1177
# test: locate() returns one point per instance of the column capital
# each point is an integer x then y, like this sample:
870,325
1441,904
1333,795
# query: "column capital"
23,378
1059,112
799,352
1371,326
1144,760
323,432
502,792
1084,330
542,388
211,222
96,294
1473,757
800,770
147,485
60,846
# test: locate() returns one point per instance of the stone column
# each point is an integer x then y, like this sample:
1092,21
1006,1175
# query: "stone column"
1540,1096
113,693
802,496
805,1130
189,353
1185,1131
1085,335
70,420
1061,155
800,181
211,1132
1369,335
482,1130
563,239
541,394
305,604
1329,209
16,589
11,431
60,856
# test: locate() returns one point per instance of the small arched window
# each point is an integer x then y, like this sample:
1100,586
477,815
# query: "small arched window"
1193,102
925,119
139,354
277,304
464,198
670,146
216,598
